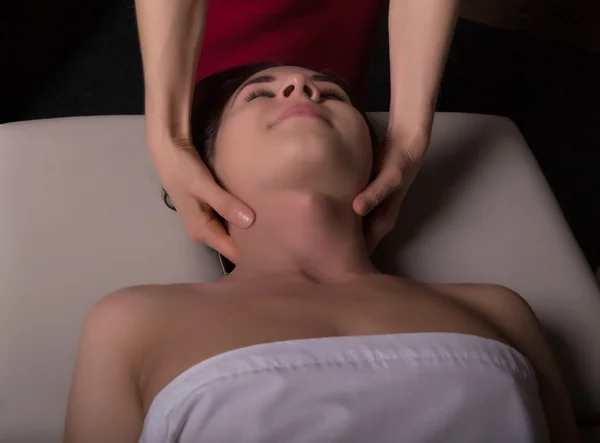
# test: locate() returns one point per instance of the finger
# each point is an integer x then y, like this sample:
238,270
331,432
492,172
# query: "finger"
374,235
382,221
194,219
225,204
218,239
385,184
202,225
232,209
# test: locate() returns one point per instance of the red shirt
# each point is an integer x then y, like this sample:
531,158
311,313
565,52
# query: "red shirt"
331,35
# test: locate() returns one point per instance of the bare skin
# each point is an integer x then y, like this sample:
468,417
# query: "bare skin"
222,317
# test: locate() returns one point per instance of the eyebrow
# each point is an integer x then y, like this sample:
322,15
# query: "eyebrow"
270,78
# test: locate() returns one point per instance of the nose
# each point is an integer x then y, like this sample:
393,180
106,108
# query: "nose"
300,85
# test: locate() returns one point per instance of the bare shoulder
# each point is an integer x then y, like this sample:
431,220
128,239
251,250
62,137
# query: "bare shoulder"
104,400
515,319
497,304
148,293
137,307
483,293
137,297
135,315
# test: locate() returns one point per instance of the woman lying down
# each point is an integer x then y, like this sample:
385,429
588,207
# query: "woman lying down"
305,341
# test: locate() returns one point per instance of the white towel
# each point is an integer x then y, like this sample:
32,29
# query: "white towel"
409,388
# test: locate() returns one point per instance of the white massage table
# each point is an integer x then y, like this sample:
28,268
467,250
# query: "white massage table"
81,215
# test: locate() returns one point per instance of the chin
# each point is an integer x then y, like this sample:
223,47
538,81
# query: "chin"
324,144
309,157
314,186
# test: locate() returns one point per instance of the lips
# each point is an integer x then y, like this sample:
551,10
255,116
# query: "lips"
303,110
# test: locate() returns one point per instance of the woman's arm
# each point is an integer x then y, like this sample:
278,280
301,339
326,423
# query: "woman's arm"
420,33
171,33
104,404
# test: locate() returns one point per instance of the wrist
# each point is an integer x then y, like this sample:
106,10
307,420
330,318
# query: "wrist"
164,128
409,125
416,102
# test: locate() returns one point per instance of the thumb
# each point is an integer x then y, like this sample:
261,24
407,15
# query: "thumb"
222,202
386,183
232,209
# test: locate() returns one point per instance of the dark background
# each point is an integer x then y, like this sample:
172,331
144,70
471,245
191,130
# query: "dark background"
70,57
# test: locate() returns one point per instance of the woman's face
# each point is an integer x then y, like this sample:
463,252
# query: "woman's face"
292,128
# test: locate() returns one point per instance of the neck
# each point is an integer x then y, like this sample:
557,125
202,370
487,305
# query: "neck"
302,235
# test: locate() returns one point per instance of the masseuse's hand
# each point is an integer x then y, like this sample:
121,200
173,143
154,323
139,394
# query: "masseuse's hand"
196,196
396,164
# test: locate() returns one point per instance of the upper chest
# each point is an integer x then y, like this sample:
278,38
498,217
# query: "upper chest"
197,328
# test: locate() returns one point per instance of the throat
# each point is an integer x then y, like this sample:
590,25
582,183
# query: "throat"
303,235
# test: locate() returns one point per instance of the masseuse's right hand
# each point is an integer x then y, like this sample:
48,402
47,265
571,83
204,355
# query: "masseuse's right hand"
171,33
196,196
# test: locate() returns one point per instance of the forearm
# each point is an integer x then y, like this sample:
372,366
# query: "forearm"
420,32
171,33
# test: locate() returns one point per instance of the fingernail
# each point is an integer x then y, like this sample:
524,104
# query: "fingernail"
364,207
244,219
360,204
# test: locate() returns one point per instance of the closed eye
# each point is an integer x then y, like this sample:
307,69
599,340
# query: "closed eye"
326,94
329,93
259,93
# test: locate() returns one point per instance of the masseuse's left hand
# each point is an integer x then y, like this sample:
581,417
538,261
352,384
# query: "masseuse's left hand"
396,163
